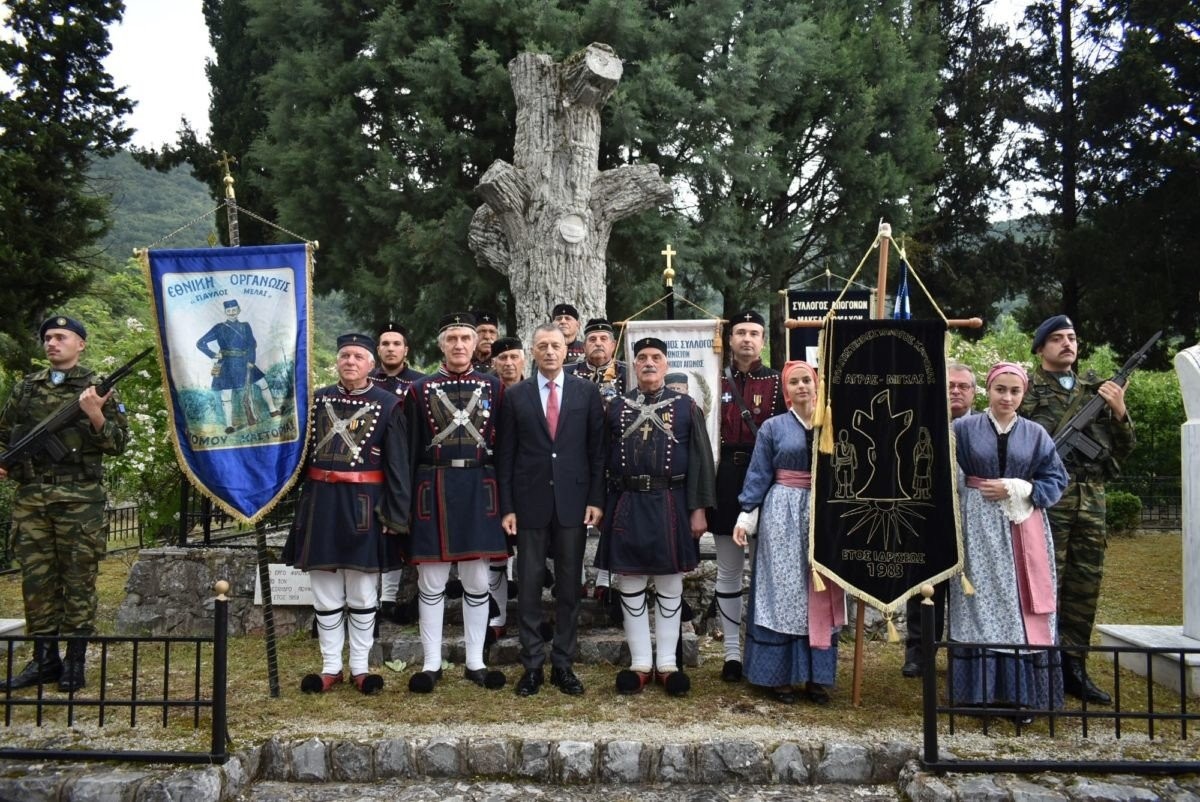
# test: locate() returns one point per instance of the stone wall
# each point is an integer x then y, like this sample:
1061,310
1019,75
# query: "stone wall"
170,592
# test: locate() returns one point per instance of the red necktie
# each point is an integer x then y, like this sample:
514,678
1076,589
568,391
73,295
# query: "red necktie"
552,410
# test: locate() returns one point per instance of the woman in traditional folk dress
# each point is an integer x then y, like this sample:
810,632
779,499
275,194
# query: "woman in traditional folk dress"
1013,474
791,629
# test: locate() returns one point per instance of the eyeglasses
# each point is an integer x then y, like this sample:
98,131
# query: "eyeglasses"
965,386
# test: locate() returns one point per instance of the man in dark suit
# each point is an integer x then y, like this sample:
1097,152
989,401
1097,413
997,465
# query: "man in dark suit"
550,466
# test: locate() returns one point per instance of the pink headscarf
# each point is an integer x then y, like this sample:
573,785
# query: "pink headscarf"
794,365
1008,367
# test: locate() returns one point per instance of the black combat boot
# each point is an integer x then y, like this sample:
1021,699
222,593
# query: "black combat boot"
72,678
1077,683
46,666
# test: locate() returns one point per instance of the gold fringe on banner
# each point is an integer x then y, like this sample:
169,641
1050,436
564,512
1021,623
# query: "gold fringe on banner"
818,582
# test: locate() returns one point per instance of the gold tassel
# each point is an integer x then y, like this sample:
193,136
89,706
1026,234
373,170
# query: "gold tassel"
893,635
967,588
826,444
818,582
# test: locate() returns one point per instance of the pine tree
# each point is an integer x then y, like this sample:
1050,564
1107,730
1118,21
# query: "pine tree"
60,112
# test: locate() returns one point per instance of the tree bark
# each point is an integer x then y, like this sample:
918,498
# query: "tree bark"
546,219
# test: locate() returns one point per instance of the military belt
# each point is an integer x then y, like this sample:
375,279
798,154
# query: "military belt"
60,479
455,463
233,352
346,477
644,484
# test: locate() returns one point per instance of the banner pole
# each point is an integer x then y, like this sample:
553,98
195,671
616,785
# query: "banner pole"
860,616
260,528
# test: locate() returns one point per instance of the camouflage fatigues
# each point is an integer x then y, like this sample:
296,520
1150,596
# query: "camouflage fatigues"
1077,522
59,533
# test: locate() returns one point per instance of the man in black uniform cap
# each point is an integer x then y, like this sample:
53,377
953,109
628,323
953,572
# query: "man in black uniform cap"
487,330
393,372
566,317
599,365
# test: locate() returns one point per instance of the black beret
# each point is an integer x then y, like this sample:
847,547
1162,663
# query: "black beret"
649,342
564,309
456,319
597,324
61,322
486,318
1048,327
676,378
748,316
505,344
361,340
392,327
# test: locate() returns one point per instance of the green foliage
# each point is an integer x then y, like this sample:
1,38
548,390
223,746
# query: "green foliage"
57,113
148,206
1123,512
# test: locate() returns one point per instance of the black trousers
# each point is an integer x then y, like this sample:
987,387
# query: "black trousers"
564,544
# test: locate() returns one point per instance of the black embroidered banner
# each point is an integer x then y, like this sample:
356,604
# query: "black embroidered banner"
885,513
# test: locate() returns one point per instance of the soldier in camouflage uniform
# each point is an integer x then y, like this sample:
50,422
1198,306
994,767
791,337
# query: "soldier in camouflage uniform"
1077,522
58,514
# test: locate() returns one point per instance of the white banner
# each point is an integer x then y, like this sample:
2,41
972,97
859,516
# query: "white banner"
693,364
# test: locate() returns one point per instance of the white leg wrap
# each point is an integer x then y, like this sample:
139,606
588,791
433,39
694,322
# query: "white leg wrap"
632,588
474,576
667,619
731,565
362,597
603,578
265,391
227,405
389,586
431,592
329,601
498,587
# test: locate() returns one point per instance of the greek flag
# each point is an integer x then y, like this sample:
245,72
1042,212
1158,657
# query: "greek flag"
234,342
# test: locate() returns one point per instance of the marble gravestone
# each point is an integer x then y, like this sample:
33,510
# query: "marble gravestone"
1166,666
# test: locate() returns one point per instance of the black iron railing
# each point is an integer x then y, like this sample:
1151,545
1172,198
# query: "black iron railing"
134,676
1156,713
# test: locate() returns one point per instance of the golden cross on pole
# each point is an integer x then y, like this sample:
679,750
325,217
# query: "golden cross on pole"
669,273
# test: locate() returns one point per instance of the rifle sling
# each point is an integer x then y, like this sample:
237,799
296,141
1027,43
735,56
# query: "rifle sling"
741,402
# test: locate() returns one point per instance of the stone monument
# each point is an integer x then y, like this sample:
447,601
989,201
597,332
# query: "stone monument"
547,217
1166,666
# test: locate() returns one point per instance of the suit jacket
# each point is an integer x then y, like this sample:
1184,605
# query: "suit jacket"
537,475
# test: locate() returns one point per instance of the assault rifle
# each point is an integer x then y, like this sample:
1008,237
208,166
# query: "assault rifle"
1072,437
44,436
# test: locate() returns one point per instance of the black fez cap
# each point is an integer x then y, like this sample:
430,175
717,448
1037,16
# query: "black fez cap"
649,342
231,305
748,316
505,344
456,319
598,324
1048,327
61,322
392,327
676,378
361,340
486,318
564,309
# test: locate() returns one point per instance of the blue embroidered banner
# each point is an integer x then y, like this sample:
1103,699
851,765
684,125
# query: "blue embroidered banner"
233,332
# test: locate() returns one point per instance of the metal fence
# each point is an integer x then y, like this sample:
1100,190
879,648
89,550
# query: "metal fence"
134,676
1161,496
1142,707
202,523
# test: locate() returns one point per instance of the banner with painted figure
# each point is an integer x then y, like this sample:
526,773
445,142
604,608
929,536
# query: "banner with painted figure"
885,509
693,363
233,331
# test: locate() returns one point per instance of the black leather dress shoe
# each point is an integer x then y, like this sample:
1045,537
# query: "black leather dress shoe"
911,669
530,682
565,680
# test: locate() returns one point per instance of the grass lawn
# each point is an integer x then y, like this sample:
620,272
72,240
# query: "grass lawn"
891,705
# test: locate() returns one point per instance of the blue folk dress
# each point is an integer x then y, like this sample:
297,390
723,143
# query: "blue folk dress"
777,646
1016,677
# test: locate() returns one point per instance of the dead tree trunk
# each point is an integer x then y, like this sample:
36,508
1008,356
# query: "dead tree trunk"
546,219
